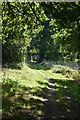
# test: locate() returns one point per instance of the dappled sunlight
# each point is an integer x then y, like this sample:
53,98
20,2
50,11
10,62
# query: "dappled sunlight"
50,74
29,94
23,94
40,60
51,84
59,71
66,96
38,98
61,97
52,89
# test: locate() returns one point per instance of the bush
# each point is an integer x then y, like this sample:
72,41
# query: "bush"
67,71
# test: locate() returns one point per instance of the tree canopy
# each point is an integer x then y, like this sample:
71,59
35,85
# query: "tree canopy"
51,30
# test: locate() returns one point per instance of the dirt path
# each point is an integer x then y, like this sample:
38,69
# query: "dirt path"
53,110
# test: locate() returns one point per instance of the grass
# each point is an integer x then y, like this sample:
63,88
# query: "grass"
66,80
67,69
22,89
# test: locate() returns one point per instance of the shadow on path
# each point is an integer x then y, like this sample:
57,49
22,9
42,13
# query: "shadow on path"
60,103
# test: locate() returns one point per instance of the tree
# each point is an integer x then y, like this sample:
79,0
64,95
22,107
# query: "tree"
14,43
50,30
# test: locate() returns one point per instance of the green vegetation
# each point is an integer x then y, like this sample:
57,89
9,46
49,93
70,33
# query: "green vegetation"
41,36
62,75
63,69
65,79
23,92
49,31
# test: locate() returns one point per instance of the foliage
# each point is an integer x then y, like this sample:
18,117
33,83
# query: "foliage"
51,30
14,43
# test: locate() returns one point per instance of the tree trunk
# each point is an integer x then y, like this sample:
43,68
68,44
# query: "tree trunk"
28,56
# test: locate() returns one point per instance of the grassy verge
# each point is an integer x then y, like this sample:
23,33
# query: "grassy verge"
23,92
62,67
65,79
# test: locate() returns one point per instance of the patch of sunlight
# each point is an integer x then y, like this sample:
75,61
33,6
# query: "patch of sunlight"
57,89
65,86
28,78
38,98
52,84
6,94
0,110
26,97
57,85
50,74
60,85
68,110
57,100
40,112
28,106
51,89
59,76
68,98
0,113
